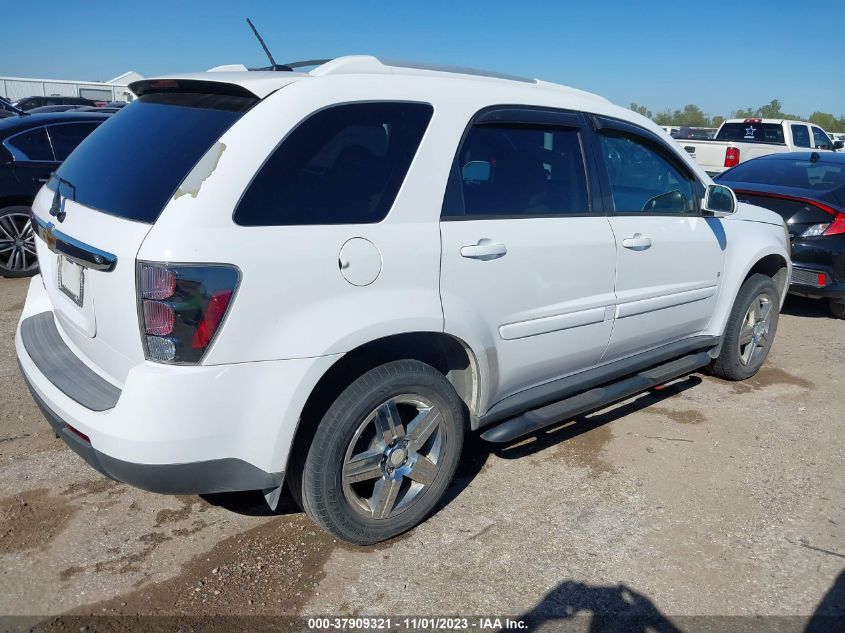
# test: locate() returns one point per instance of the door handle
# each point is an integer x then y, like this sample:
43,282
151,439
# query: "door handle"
638,242
484,250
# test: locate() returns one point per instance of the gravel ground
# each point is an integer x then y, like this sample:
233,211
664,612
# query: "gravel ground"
706,498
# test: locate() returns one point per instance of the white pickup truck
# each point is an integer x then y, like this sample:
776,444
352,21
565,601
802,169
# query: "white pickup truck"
739,140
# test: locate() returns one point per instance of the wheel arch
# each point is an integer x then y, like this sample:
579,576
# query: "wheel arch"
774,266
446,353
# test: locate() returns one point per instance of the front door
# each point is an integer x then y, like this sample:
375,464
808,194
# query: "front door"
669,257
527,268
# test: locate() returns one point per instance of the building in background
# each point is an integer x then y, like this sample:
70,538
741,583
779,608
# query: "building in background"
117,89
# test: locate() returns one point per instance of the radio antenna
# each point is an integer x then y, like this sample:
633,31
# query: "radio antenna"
273,64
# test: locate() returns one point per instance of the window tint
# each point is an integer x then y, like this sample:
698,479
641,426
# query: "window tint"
801,174
513,171
66,137
642,179
800,136
342,165
132,164
751,132
31,145
820,138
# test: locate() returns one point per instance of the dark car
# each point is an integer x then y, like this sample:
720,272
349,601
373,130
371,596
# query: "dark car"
808,190
7,109
28,103
31,148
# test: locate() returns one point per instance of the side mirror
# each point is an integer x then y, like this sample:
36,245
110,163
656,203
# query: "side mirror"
719,201
838,144
477,171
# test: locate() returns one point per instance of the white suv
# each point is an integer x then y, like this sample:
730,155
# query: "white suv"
325,279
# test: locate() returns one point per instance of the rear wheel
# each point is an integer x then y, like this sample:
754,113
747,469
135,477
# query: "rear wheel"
384,453
750,331
17,243
837,308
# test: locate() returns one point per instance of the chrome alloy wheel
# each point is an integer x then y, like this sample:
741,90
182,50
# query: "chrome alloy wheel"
754,334
17,242
394,456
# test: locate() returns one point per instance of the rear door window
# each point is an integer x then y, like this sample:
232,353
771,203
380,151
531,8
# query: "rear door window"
132,164
751,132
65,137
33,145
643,179
518,171
342,165
800,136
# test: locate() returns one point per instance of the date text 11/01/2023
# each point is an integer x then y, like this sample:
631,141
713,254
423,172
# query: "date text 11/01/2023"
418,623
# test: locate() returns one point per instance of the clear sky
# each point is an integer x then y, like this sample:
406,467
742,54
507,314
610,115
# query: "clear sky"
718,54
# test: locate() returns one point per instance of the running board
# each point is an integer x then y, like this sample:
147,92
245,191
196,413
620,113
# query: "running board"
594,399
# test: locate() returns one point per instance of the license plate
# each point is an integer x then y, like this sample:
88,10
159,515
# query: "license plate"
71,279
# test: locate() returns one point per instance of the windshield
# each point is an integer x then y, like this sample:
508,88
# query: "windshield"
133,163
802,174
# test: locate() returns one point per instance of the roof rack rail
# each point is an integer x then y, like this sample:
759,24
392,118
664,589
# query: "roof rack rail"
353,64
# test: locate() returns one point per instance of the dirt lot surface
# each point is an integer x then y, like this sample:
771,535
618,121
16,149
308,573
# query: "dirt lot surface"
707,498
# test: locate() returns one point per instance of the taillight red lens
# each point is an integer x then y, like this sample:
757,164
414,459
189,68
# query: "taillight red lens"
159,318
837,227
732,157
180,329
211,318
821,280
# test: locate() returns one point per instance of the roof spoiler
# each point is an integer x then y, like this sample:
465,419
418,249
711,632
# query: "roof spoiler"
197,86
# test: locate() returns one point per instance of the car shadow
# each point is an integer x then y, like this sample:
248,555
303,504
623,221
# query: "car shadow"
604,608
475,453
804,307
829,616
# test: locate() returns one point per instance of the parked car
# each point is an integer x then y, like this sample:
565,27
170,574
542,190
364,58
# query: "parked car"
54,108
311,285
695,133
28,103
808,190
31,148
7,109
739,140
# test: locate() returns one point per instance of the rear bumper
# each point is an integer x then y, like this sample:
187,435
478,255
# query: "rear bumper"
813,256
216,475
170,429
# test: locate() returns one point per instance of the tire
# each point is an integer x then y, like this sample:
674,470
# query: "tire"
837,308
383,454
750,331
17,243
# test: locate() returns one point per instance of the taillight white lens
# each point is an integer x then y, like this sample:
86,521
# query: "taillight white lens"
157,282
159,318
816,230
161,349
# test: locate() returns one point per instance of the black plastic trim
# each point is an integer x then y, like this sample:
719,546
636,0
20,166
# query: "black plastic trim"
62,367
212,476
594,399
570,385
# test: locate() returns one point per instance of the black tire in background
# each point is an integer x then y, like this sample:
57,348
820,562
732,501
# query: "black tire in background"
750,331
383,454
837,308
17,243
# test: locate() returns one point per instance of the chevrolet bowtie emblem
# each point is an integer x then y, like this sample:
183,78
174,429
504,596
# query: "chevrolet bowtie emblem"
57,208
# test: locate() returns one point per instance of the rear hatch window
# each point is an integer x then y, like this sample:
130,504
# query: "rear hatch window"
133,163
751,132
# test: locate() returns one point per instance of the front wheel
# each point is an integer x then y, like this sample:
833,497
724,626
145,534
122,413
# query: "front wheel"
750,331
384,453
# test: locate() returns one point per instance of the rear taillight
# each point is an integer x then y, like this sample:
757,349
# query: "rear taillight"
182,307
836,227
732,157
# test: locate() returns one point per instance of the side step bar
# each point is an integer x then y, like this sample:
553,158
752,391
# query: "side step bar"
594,399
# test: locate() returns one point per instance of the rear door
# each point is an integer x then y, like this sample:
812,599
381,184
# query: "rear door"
33,158
103,201
669,258
526,263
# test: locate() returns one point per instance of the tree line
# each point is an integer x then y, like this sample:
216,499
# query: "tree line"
693,116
